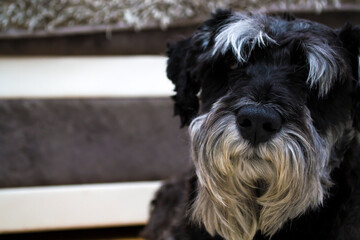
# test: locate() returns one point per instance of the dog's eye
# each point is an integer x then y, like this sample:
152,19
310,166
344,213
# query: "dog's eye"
234,65
231,62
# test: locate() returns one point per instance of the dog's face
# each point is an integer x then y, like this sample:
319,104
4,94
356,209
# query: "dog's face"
277,110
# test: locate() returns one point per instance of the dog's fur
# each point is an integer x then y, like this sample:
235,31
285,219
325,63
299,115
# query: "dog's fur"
303,182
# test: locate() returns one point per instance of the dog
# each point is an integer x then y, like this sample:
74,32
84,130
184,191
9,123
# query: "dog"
272,104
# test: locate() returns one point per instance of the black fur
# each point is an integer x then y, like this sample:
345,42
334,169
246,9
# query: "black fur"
276,74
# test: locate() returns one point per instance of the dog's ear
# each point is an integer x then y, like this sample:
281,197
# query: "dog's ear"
184,66
181,70
350,37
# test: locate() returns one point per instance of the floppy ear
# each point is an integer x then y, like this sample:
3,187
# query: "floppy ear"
184,66
350,36
181,70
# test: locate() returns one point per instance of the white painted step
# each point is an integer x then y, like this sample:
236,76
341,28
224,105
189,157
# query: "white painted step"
75,206
66,77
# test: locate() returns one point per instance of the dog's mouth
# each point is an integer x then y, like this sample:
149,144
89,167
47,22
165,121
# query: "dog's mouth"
260,183
261,188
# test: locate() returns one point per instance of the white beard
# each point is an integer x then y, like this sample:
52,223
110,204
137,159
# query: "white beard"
244,189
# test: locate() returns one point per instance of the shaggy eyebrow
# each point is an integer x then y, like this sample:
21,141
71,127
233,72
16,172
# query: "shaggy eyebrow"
241,32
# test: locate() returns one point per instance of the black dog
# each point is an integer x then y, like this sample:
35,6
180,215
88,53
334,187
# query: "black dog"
275,143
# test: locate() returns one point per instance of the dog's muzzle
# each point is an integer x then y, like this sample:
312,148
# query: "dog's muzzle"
255,172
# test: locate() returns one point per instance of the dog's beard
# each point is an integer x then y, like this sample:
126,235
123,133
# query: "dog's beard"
243,188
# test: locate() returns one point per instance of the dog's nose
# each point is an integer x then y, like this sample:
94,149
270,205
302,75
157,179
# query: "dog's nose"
258,124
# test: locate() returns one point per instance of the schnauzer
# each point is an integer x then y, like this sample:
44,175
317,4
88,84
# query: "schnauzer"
273,108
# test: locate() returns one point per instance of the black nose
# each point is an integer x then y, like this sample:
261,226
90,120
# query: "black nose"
258,124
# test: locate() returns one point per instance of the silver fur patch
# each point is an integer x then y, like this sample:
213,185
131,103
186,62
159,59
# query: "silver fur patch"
242,32
324,65
244,189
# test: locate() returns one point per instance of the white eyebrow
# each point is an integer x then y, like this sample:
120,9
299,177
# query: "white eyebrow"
242,34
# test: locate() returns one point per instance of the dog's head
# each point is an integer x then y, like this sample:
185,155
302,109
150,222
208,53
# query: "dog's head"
272,103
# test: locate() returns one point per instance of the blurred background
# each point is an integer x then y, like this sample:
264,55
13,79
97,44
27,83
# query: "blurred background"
87,131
